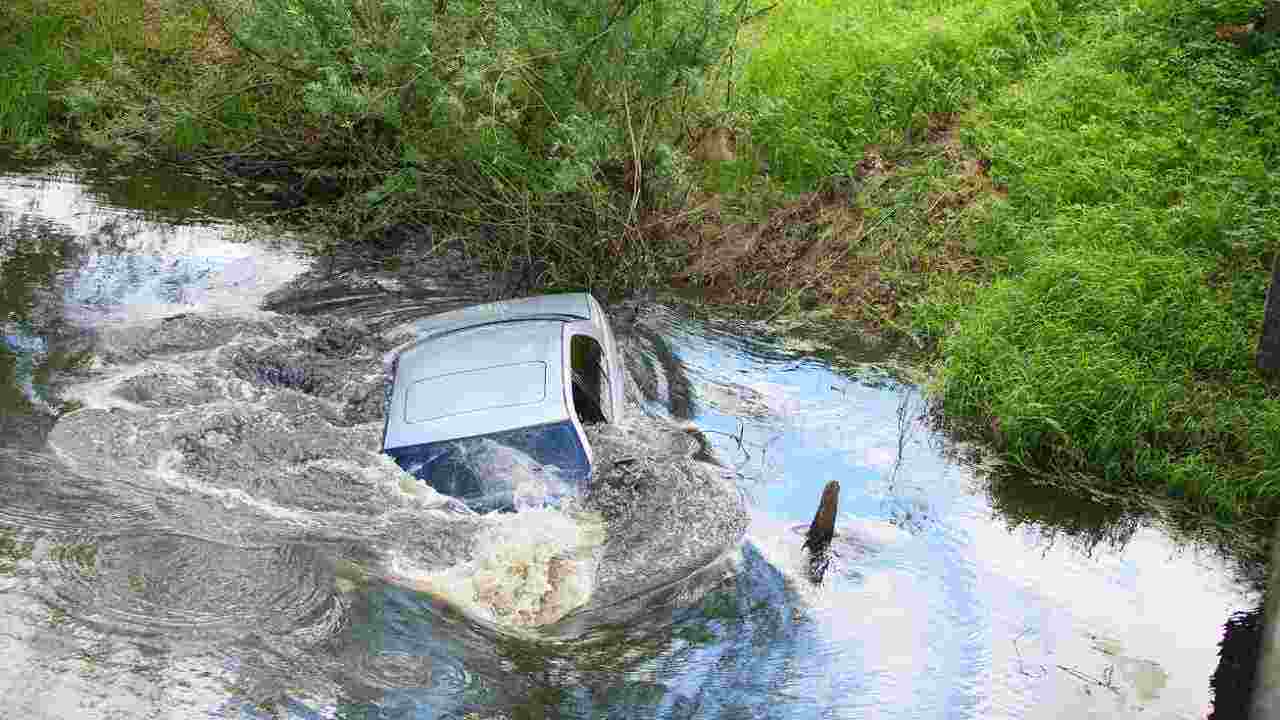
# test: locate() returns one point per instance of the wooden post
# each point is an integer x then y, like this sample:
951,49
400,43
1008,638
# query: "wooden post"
1266,689
822,529
818,540
1269,345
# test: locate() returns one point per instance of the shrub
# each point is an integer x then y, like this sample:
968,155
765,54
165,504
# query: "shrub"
544,121
515,85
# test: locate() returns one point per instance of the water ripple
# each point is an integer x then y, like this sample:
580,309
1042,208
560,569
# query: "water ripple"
177,586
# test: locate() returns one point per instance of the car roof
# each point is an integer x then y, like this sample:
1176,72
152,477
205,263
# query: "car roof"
566,306
469,381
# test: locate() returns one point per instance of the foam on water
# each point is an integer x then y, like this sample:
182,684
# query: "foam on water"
527,569
193,425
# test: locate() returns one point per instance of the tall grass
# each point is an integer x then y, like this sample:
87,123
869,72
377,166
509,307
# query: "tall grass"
97,70
1144,207
826,78
32,64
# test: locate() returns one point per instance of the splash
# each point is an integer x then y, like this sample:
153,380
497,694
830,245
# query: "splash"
254,429
527,569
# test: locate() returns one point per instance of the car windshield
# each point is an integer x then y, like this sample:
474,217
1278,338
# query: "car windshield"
510,470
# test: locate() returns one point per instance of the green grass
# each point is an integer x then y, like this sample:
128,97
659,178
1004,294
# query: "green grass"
1112,326
31,65
825,77
1142,213
94,72
539,134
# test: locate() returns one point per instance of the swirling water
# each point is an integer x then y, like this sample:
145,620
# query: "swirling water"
197,522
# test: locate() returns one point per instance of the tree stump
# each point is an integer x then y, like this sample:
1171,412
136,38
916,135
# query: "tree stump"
822,529
818,540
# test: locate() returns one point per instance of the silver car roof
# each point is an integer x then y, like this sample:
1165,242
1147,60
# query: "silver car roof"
576,306
477,381
485,369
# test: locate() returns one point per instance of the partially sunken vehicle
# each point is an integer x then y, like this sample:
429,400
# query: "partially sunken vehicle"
489,402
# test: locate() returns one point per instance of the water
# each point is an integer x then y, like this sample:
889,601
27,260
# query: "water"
197,522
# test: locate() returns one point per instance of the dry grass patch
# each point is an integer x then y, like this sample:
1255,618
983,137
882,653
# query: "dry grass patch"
862,249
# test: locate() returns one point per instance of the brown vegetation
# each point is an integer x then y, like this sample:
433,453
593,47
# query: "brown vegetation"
713,144
828,247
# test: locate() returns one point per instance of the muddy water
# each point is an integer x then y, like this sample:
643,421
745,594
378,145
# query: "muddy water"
197,522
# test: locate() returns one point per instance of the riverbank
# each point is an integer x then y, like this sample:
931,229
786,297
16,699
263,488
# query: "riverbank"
1089,242
1073,202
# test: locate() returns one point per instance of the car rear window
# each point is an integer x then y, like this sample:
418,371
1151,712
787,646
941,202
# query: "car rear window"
510,470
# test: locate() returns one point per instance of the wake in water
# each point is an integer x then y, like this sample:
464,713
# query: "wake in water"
263,430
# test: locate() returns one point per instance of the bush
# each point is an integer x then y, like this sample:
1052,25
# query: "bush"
546,122
515,86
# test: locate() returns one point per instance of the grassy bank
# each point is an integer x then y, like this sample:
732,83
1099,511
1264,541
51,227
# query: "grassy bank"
1089,238
1076,199
828,78
1138,232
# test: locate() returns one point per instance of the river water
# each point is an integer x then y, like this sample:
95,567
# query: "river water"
197,523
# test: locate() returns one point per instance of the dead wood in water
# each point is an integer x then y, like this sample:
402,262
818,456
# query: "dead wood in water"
821,530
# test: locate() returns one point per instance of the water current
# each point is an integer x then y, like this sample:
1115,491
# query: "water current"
197,522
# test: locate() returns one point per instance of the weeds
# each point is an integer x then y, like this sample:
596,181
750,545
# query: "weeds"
543,131
29,68
883,248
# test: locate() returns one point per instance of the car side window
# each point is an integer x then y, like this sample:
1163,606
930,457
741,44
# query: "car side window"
590,375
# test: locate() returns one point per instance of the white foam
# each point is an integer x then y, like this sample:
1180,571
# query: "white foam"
528,568
167,469
100,394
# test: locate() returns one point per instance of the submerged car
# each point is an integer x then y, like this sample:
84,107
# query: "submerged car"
488,403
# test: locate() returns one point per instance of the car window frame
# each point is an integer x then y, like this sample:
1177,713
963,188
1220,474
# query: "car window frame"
588,329
617,391
602,393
